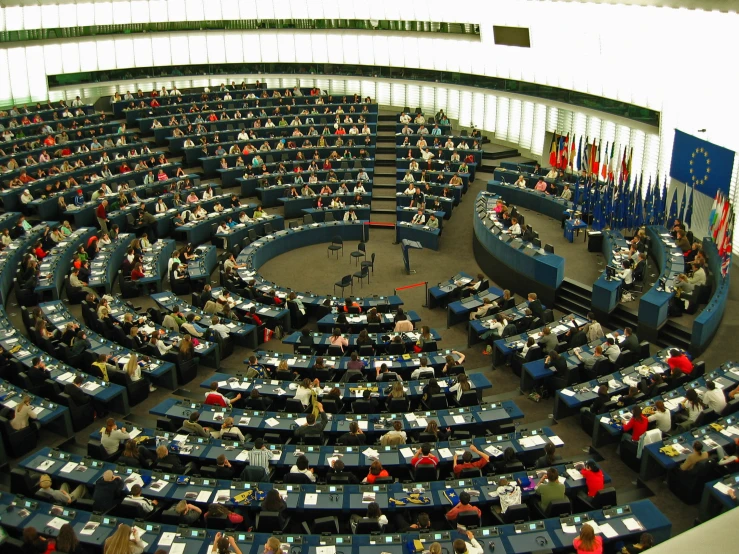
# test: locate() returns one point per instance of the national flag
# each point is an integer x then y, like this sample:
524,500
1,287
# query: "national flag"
579,153
723,223
725,264
560,147
673,207
714,210
604,163
688,217
612,163
596,158
553,150
639,205
565,152
628,164
572,152
649,203
725,245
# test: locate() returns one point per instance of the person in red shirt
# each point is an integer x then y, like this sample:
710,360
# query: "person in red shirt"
349,303
467,462
124,168
679,362
588,542
462,506
593,477
375,471
277,300
254,317
102,215
424,456
154,103
25,177
39,251
340,131
49,141
637,424
137,272
212,117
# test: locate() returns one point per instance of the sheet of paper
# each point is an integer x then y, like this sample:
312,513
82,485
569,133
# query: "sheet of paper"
458,419
632,524
69,467
526,442
574,474
301,421
223,496
406,452
567,392
203,496
45,465
421,422
569,529
37,410
311,499
494,451
720,487
362,425
180,438
272,422
89,528
608,531
556,441
410,417
158,485
243,456
177,548
445,453
370,452
326,550
133,433
166,539
56,523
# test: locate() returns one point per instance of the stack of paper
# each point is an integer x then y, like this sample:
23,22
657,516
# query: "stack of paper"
301,421
244,420
445,453
368,497
167,539
158,485
133,479
69,467
56,523
89,528
370,453
556,441
406,452
272,422
568,392
494,451
722,488
223,496
574,474
311,499
632,524
242,456
569,529
607,530
458,419
45,465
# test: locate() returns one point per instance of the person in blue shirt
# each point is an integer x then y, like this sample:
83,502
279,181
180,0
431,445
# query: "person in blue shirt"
79,199
230,222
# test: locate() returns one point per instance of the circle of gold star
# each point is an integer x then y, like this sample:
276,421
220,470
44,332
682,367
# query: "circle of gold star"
700,155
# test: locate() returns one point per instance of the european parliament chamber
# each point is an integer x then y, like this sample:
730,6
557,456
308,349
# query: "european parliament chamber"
539,353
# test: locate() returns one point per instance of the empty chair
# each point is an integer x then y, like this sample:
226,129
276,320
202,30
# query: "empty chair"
361,275
514,514
369,263
270,522
360,252
468,519
337,244
346,281
328,216
549,248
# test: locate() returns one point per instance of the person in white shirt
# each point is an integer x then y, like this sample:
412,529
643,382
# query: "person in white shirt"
552,173
566,193
161,207
520,182
515,228
427,155
423,370
77,102
146,505
463,547
698,277
661,417
408,177
359,188
405,118
611,350
626,273
303,466
714,398
216,325
350,215
419,218
411,190
304,392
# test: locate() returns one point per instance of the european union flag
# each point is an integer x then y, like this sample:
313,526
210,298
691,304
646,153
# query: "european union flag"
701,164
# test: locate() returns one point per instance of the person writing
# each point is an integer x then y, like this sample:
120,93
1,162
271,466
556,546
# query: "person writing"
467,462
588,542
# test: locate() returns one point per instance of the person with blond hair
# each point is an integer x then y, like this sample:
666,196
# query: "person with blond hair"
124,541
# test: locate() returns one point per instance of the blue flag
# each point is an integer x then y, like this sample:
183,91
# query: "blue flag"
688,217
649,203
674,214
638,205
579,154
663,211
701,164
683,201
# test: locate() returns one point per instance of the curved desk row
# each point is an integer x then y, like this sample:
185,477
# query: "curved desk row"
349,391
531,199
156,261
606,291
320,215
160,372
424,235
201,267
446,205
250,184
707,322
511,263
272,196
143,116
257,422
321,341
437,164
108,261
244,334
359,321
229,177
236,235
266,312
654,304
288,156
432,176
507,538
11,256
294,206
58,263
403,364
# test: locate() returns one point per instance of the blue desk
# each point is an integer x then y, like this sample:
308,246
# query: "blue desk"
435,187
437,164
460,310
654,303
294,206
511,263
58,262
270,315
12,255
476,417
156,260
201,267
530,199
244,334
446,204
715,502
236,235
707,322
655,463
251,184
439,294
429,238
321,340
198,232
358,322
319,214
107,262
406,214
606,292
50,415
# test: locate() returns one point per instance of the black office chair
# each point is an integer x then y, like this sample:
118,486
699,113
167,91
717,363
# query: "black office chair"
436,402
334,350
362,407
470,473
217,523
366,526
360,252
469,519
294,406
603,498
516,513
270,522
425,472
361,275
346,281
337,244
397,405
296,479
429,347
322,525
370,264
557,508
